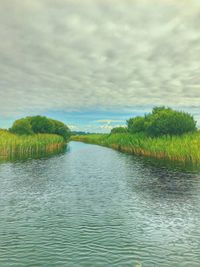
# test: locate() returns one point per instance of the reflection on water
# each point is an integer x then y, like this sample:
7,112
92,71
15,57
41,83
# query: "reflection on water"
173,165
94,206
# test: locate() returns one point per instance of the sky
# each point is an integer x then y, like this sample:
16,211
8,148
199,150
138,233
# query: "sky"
95,63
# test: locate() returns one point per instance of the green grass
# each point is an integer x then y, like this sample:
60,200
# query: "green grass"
185,148
15,146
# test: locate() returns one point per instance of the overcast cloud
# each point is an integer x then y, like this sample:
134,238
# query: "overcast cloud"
73,55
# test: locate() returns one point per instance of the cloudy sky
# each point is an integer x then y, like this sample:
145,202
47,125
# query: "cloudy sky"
95,63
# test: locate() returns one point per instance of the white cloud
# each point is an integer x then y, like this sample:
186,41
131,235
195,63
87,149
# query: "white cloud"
108,121
109,127
73,127
72,55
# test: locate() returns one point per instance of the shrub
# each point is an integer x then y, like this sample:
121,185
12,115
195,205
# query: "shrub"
22,126
163,121
40,124
137,124
119,130
158,109
61,129
170,122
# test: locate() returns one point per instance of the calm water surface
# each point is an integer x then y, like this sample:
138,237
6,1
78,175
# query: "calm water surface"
94,206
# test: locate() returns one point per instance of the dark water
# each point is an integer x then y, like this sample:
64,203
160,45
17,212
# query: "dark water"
94,206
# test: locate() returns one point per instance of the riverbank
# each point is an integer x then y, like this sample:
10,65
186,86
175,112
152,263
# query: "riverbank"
185,148
15,146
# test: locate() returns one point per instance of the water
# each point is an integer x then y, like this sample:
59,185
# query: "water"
94,206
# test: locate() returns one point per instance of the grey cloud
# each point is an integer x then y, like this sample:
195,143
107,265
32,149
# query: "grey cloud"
69,55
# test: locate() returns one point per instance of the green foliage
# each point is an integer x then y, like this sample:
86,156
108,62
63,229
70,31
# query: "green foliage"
158,109
14,146
61,129
22,127
184,148
163,121
170,122
40,124
119,130
137,124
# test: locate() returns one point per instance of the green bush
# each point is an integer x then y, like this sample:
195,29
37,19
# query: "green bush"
158,109
40,124
21,126
119,130
136,125
163,121
61,129
170,122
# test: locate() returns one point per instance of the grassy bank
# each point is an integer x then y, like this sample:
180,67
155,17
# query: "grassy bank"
185,148
14,146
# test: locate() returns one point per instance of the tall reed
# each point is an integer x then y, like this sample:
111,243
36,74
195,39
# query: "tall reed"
185,148
14,146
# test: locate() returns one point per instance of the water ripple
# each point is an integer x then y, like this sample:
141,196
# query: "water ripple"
97,207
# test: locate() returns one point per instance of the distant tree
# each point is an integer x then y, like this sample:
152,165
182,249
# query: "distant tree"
22,126
78,133
137,124
61,129
163,121
119,130
40,124
158,109
171,122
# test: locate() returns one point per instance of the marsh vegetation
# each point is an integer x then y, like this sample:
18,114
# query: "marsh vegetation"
40,124
13,146
33,137
164,133
183,148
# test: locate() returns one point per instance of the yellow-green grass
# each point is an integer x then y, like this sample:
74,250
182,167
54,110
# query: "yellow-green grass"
15,146
185,148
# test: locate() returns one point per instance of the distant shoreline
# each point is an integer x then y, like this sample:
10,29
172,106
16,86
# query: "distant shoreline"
185,148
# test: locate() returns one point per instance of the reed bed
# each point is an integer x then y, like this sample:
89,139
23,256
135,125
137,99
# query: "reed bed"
185,148
14,146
